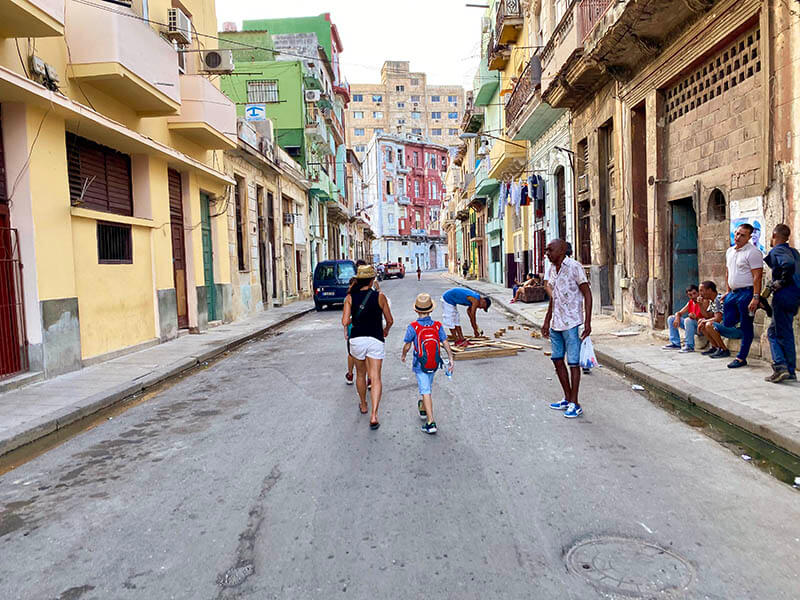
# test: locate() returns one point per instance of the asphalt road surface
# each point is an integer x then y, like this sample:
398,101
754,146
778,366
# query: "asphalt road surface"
258,478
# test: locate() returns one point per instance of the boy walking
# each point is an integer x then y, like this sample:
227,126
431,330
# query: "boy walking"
427,336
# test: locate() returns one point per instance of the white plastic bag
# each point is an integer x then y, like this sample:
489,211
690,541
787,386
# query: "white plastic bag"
588,359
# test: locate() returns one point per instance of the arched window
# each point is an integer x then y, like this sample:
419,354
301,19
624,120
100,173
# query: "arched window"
717,206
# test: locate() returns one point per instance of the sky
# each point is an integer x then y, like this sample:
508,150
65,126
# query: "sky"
439,37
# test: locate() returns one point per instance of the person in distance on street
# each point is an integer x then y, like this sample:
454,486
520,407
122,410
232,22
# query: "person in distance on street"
458,296
426,336
367,310
565,314
419,273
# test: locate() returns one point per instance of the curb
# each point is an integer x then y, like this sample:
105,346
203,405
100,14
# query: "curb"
764,426
37,429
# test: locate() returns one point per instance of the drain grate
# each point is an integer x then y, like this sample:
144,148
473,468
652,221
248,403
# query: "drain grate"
629,567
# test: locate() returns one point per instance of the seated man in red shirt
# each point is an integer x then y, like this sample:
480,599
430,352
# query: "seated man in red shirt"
686,318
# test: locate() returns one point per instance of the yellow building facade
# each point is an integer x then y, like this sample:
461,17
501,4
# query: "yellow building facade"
112,140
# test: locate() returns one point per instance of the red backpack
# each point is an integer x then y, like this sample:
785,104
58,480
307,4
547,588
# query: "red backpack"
426,346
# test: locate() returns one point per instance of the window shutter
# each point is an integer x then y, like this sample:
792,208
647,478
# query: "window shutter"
105,172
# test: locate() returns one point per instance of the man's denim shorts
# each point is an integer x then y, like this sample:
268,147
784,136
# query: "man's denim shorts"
566,343
424,381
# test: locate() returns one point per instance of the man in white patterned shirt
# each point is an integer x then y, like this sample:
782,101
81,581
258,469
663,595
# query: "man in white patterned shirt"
570,306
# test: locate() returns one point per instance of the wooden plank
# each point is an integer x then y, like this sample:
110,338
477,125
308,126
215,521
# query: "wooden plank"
486,353
531,346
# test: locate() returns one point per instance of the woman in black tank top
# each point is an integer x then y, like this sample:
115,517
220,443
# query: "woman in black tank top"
366,309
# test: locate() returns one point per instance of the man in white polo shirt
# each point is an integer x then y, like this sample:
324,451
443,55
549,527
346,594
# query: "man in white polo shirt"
744,270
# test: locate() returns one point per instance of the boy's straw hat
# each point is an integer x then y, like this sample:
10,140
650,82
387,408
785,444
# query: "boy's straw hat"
366,272
424,304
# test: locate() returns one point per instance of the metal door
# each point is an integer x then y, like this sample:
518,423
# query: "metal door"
178,246
273,248
684,250
208,256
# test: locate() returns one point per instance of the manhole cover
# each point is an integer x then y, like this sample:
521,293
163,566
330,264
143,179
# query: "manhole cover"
629,567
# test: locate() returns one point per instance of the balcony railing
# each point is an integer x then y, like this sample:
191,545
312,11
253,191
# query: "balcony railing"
589,13
522,91
508,20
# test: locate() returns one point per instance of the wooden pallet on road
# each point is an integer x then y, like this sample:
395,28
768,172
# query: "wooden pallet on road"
467,354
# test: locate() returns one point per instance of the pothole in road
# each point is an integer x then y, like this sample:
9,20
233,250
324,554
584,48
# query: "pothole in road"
629,567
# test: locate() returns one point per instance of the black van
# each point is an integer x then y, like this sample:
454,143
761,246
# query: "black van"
331,281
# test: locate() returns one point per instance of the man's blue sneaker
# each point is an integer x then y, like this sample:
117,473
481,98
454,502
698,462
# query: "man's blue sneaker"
671,347
560,405
573,410
429,428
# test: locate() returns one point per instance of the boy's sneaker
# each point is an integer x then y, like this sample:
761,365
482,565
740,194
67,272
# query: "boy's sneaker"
429,428
686,350
720,353
421,409
573,410
671,347
710,351
560,405
348,377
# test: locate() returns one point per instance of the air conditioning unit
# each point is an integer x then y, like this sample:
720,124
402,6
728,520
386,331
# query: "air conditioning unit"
583,183
217,61
313,95
179,26
288,218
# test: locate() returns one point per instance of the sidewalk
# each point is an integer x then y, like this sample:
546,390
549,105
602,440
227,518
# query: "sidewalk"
740,397
30,413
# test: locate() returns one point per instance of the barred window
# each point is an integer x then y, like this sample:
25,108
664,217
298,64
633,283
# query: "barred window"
262,91
114,245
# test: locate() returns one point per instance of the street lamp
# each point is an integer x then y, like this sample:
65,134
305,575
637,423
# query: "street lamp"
472,136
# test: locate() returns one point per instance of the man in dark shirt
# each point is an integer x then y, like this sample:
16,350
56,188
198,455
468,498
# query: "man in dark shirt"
785,264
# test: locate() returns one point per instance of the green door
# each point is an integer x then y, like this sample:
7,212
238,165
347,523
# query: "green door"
208,257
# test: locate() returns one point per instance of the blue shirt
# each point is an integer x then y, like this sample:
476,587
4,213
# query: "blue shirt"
785,264
411,337
460,296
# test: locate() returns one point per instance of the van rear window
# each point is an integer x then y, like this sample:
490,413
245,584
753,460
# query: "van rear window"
325,273
346,271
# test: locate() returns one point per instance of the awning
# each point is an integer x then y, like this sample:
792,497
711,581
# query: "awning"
93,125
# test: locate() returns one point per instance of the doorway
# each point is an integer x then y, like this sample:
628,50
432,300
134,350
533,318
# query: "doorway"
684,268
208,256
178,246
299,265
585,232
432,253
272,247
262,247
641,263
561,195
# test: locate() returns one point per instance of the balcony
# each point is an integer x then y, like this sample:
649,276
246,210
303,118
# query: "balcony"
497,54
527,117
126,59
335,125
472,121
316,131
508,21
208,117
403,200
320,184
484,185
507,159
31,18
485,83
614,39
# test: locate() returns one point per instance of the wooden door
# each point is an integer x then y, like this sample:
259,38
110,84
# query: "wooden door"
561,195
208,256
178,246
299,261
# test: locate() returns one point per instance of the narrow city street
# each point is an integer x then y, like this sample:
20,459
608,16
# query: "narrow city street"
258,478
